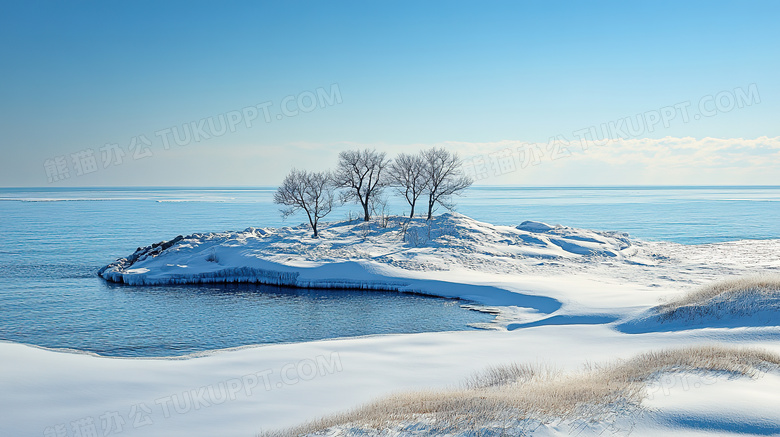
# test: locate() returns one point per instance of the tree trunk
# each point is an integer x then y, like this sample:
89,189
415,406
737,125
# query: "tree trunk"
365,211
313,224
411,214
430,207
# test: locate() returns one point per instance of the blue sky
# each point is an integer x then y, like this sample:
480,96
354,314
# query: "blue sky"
478,77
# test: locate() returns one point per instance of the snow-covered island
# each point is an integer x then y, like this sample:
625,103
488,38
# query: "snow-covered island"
532,270
396,253
595,332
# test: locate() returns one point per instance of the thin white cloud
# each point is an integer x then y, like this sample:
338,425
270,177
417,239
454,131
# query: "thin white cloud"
640,161
668,151
668,160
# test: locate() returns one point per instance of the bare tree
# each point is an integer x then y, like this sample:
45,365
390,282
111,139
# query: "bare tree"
445,177
361,173
312,192
407,174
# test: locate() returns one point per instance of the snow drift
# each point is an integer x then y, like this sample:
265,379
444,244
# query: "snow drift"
744,301
529,399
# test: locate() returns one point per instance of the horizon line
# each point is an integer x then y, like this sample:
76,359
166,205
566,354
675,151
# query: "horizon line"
473,186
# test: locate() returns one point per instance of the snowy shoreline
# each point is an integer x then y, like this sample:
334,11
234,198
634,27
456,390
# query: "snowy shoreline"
534,265
358,255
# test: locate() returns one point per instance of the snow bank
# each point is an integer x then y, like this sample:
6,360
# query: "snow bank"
744,301
47,389
516,399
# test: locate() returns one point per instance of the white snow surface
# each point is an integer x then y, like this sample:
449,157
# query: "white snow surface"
451,256
561,293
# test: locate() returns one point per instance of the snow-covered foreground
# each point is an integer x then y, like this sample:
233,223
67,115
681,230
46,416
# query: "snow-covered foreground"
241,392
562,293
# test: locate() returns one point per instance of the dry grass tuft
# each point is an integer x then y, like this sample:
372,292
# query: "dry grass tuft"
506,397
764,285
742,296
496,376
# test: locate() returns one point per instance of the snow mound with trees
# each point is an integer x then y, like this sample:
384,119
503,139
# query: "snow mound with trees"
361,176
358,254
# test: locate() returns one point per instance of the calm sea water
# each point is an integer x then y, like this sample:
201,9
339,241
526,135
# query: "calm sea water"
53,240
